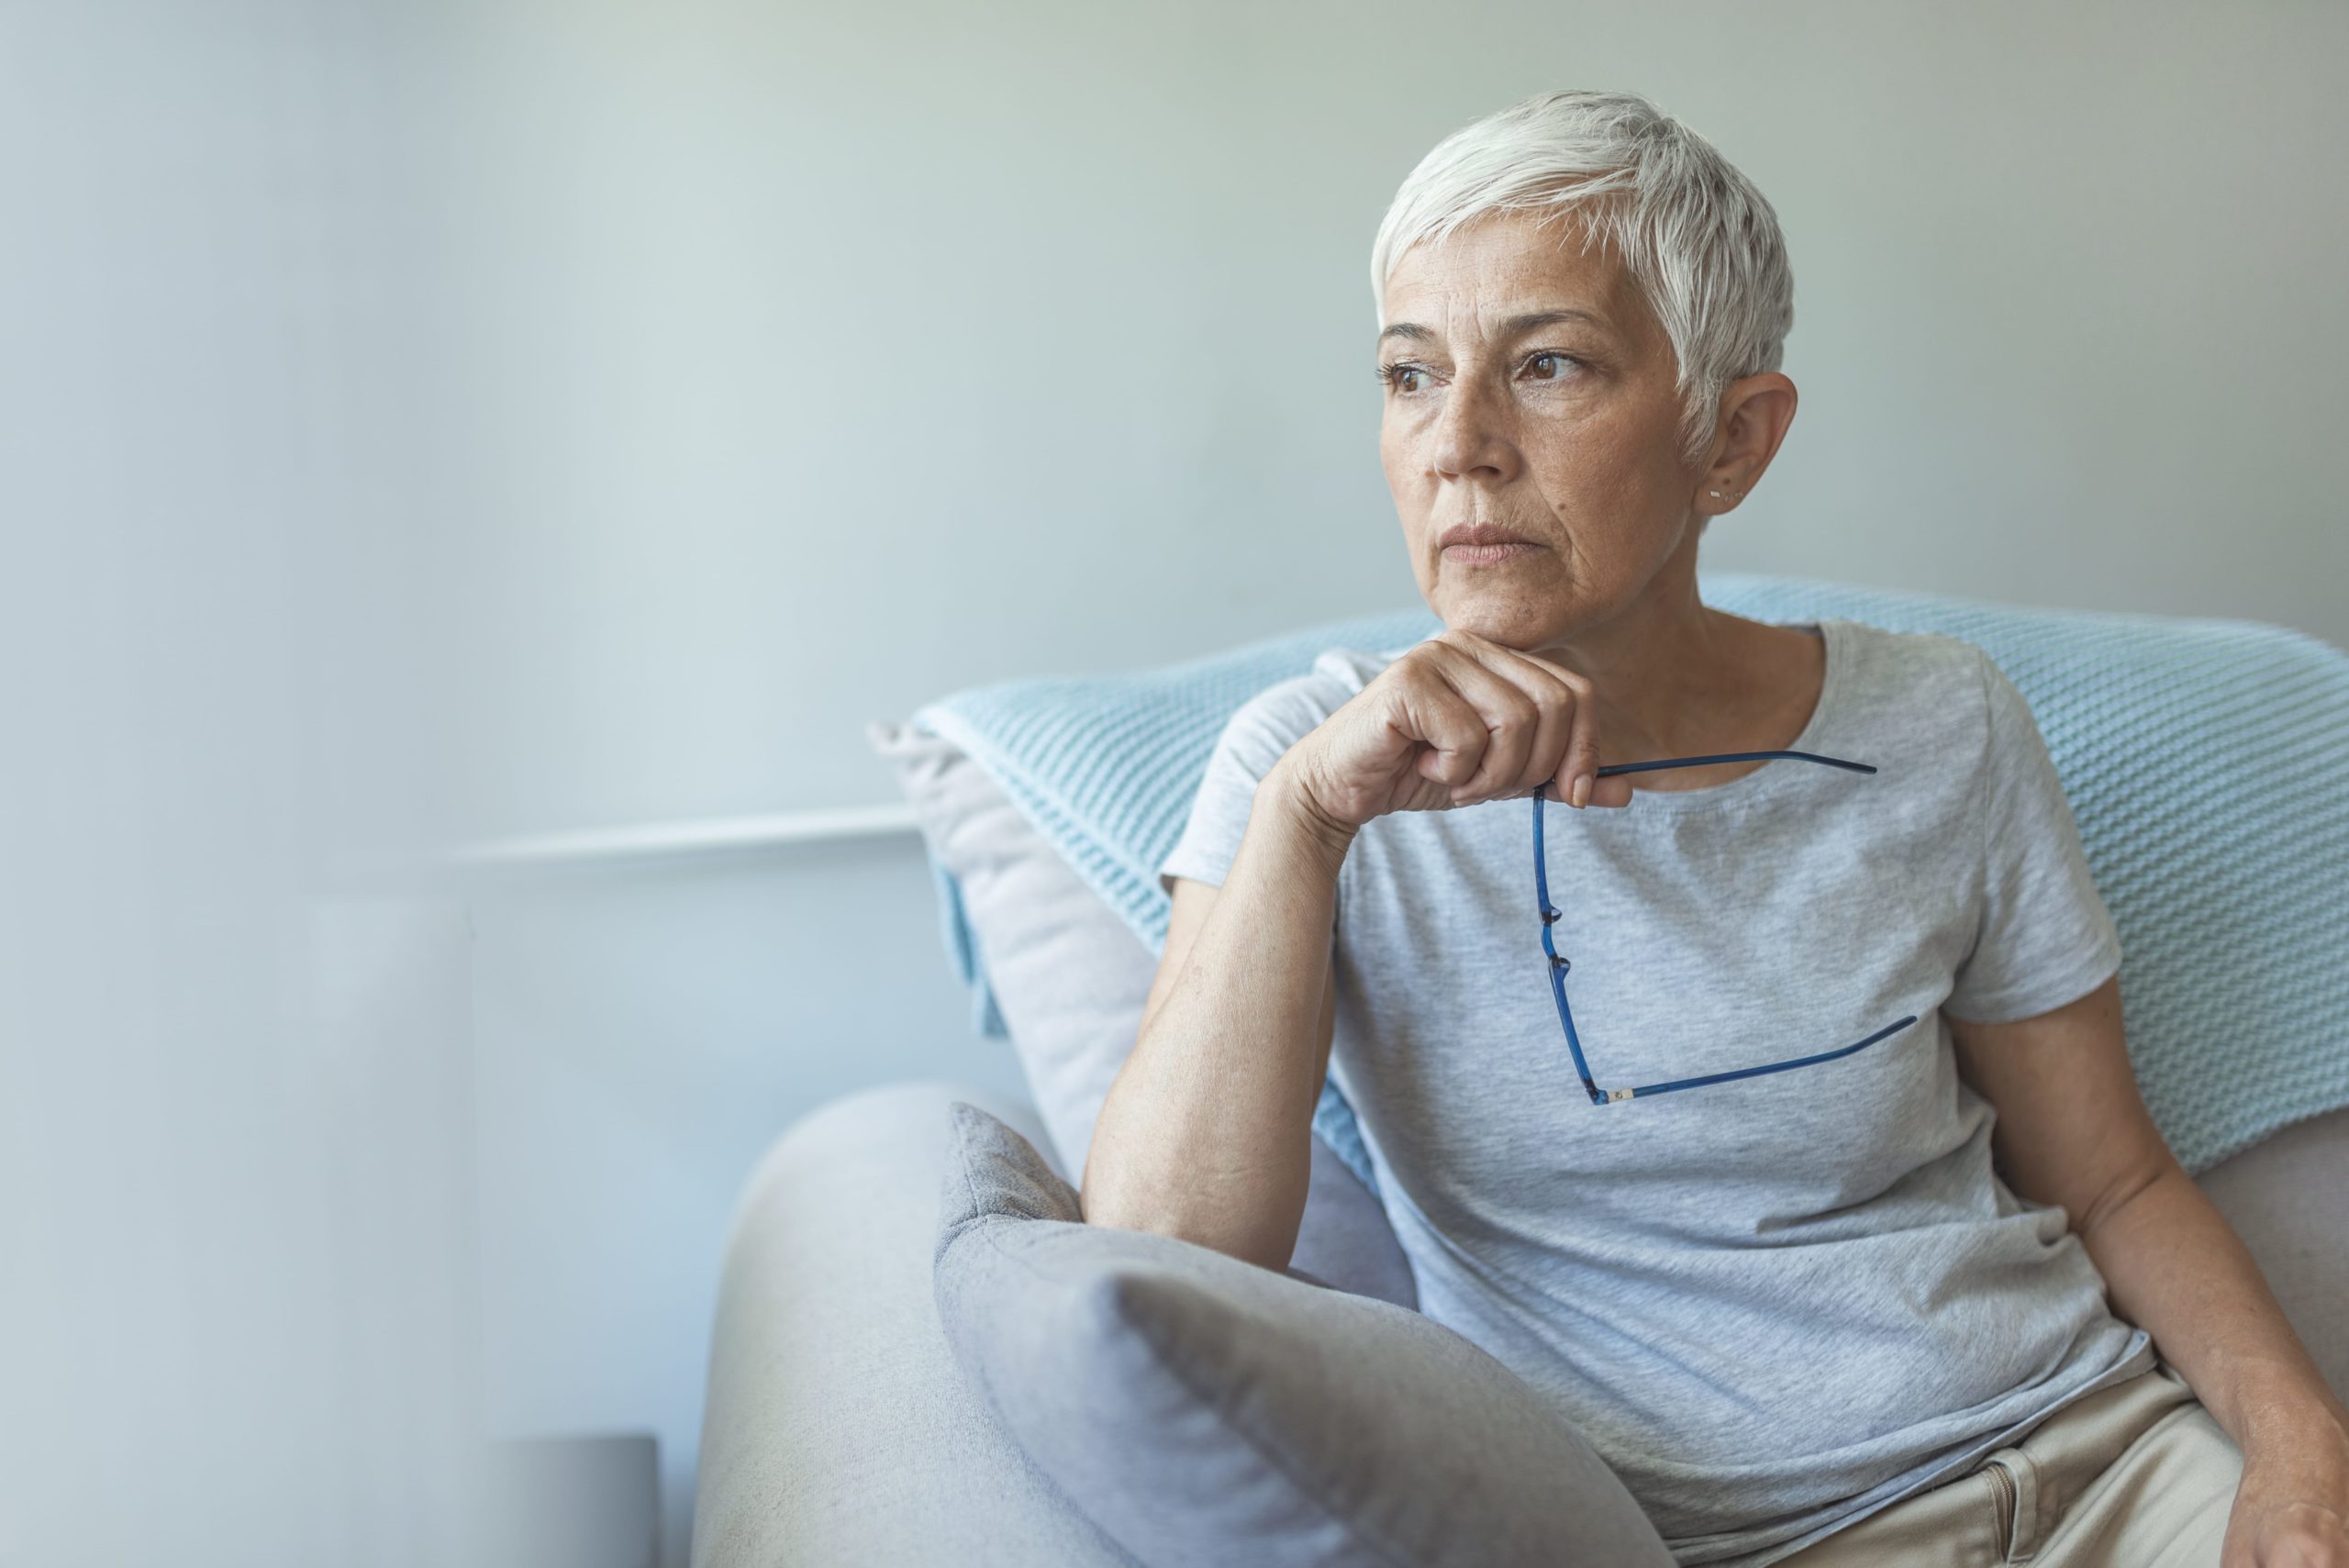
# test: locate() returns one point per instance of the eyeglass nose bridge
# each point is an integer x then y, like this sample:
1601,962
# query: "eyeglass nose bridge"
1558,960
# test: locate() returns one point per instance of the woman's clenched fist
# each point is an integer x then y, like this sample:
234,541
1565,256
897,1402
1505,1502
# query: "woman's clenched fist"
1454,720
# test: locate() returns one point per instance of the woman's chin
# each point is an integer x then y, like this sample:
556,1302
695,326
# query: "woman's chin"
1513,621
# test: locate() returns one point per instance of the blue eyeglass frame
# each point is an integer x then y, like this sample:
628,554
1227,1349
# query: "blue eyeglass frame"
1559,963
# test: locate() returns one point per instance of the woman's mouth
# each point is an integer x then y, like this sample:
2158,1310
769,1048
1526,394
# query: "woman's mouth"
1487,554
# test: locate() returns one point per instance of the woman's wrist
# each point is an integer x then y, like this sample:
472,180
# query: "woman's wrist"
2280,1411
2322,1472
1285,792
2295,1442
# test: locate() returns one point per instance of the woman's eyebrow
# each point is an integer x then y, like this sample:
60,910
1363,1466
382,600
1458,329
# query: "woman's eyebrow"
1516,326
1538,319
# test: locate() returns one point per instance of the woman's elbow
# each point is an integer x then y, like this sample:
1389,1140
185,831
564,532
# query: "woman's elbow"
1106,1204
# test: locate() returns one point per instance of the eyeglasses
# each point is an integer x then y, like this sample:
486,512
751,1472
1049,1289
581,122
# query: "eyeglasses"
1559,964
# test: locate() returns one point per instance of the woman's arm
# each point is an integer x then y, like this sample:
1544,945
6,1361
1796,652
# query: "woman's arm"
1207,1131
2073,1131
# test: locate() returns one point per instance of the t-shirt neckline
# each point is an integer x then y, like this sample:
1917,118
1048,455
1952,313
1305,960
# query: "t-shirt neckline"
1779,774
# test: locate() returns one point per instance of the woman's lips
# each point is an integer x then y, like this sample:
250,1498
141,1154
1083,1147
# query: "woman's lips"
1487,554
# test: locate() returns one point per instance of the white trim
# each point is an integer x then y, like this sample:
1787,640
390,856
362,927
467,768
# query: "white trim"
702,836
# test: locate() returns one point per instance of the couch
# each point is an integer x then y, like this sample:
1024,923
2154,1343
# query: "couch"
839,1427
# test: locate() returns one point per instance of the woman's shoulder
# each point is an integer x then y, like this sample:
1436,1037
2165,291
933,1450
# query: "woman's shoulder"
1914,653
1923,680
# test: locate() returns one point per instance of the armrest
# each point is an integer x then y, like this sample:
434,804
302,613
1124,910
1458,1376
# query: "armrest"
837,1427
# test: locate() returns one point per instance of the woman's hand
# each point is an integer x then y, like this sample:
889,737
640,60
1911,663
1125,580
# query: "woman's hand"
2289,1514
1455,720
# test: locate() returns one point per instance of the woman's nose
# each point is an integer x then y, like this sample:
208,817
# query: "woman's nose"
1469,435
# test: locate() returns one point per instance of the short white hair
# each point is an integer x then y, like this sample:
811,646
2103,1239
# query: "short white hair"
1695,234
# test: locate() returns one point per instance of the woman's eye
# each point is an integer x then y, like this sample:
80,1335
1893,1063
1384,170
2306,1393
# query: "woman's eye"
1401,377
1557,363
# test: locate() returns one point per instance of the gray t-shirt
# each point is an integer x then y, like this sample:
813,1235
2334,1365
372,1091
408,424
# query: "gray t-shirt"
1775,1304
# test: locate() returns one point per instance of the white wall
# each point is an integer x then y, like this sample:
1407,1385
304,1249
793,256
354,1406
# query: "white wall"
238,1314
831,355
622,404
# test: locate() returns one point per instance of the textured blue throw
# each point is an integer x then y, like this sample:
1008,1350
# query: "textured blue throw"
2206,762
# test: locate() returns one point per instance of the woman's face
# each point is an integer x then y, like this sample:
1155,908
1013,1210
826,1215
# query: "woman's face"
1530,389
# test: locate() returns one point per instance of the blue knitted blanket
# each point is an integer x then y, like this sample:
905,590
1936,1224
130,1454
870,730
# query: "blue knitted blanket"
2206,760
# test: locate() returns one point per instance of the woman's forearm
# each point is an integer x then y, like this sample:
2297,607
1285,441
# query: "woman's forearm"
2175,1267
1205,1133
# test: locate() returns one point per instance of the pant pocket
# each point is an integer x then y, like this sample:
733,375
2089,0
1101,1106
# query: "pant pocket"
2014,1501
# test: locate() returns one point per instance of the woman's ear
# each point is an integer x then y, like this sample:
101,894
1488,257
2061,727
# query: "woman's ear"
1754,414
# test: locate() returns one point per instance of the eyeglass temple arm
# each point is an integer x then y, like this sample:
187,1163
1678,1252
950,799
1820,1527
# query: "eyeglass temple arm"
1727,757
1890,1029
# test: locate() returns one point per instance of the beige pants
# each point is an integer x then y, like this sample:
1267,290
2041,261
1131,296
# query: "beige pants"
2136,1476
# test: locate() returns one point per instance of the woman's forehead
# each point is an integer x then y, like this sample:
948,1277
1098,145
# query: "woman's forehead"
1504,269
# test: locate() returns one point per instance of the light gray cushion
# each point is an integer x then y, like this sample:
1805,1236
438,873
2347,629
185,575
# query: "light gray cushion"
1071,979
1203,1411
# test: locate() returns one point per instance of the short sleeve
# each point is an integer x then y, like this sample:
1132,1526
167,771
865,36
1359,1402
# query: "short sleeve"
1258,735
2045,937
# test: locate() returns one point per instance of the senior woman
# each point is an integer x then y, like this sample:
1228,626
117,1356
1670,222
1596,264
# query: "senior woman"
1734,1214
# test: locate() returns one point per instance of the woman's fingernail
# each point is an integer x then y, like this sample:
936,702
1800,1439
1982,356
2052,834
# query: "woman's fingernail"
1581,790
